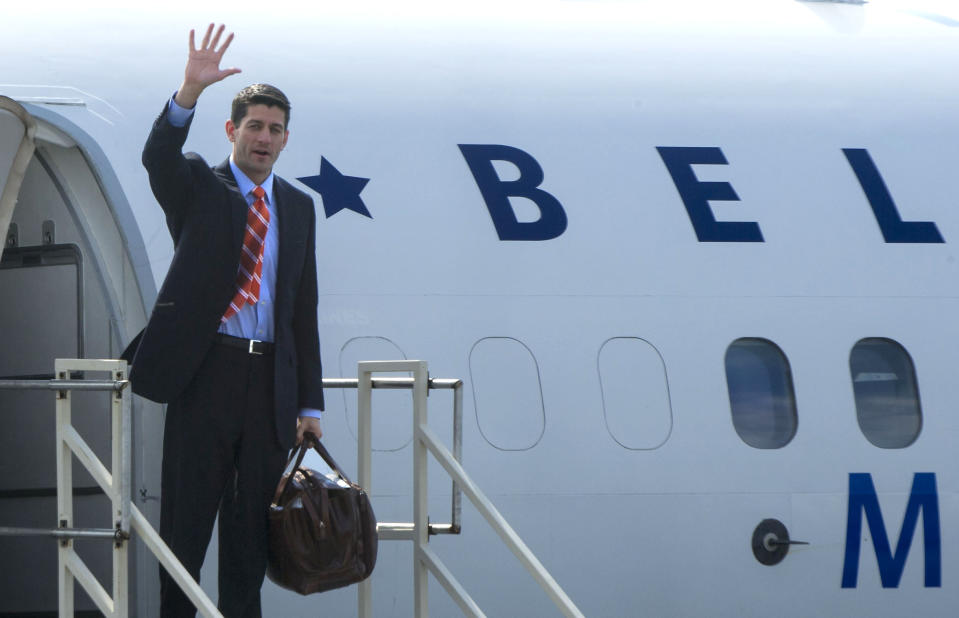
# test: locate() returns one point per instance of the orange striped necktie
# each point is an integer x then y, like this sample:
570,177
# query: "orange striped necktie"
251,257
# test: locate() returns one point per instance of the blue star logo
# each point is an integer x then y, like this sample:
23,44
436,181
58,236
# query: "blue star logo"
339,192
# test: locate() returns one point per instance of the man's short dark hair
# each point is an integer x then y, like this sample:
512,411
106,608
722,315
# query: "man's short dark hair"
257,94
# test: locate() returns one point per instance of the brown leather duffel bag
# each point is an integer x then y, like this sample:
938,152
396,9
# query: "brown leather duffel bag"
322,528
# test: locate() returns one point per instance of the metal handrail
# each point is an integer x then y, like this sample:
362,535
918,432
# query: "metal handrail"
115,483
499,524
403,531
425,441
64,385
65,533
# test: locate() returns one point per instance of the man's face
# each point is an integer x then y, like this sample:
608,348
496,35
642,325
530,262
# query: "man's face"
258,140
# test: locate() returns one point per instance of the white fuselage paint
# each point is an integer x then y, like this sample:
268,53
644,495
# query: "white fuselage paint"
590,90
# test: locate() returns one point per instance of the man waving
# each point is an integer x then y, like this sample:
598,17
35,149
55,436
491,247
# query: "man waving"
232,341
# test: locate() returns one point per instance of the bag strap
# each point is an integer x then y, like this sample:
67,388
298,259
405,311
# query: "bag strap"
325,454
322,523
309,440
284,479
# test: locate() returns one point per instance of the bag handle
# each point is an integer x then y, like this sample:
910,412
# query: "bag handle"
322,522
309,440
284,479
321,450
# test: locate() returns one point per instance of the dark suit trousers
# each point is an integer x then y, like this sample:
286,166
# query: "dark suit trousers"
220,452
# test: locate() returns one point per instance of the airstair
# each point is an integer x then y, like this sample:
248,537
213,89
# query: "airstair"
126,518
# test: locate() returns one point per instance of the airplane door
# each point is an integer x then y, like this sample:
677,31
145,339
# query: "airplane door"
68,290
45,284
16,148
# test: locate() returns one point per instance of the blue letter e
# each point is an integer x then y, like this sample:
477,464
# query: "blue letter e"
696,195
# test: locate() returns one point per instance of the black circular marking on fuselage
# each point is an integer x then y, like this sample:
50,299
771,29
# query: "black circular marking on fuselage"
770,542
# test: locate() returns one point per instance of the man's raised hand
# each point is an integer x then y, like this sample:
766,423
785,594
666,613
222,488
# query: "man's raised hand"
203,66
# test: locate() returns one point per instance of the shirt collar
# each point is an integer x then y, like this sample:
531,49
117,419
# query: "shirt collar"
245,185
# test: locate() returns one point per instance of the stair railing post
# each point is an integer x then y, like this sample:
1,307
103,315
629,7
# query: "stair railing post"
64,496
421,514
364,402
120,494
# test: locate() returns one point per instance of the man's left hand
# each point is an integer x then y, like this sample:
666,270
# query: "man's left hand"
307,424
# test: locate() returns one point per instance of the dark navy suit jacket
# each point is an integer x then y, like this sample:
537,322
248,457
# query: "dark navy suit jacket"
206,216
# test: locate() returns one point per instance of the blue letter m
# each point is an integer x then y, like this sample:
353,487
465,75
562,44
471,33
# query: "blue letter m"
862,496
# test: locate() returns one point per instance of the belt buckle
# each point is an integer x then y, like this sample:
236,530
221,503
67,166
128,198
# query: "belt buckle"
252,351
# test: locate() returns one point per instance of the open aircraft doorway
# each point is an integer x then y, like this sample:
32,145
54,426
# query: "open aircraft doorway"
67,276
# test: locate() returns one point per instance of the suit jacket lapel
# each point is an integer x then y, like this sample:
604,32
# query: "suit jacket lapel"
238,205
287,232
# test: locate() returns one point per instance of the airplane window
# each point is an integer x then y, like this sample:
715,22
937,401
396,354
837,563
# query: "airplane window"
635,393
761,393
391,429
886,392
507,393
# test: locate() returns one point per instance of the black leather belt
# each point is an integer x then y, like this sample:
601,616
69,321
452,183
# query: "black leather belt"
252,346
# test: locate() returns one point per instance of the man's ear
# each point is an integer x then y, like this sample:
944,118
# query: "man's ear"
286,136
230,131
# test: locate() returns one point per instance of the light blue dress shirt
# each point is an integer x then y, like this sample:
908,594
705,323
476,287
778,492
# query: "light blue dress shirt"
251,321
256,321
